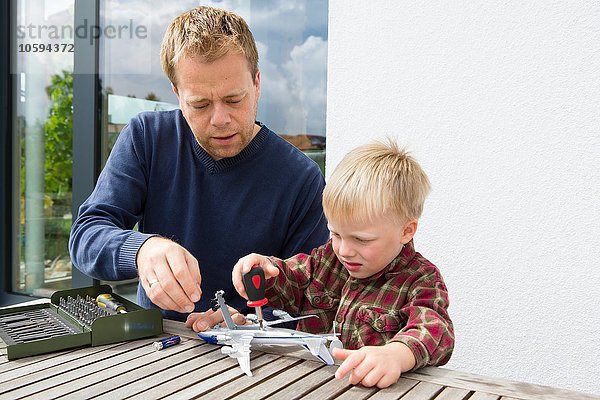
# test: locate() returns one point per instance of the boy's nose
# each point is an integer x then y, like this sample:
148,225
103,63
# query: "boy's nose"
345,249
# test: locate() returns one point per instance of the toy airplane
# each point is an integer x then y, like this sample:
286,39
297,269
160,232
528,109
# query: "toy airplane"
237,338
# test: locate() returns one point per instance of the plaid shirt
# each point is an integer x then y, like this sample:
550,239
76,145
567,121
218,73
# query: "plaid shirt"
406,302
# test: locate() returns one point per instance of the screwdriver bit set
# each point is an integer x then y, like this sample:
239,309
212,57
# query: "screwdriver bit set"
74,318
85,310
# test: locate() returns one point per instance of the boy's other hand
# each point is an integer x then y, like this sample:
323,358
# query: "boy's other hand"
379,366
244,265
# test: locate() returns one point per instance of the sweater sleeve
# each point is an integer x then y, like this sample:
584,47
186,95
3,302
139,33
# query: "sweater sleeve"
103,243
429,332
308,228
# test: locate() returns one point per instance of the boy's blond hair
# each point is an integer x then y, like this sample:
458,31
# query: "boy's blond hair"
208,33
376,180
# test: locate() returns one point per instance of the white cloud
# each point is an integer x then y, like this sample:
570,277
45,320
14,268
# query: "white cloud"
293,67
307,72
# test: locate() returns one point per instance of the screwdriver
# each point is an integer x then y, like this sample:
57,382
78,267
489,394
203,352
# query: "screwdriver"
254,283
107,301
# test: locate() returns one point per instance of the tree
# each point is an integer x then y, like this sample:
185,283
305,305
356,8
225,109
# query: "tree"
58,130
152,96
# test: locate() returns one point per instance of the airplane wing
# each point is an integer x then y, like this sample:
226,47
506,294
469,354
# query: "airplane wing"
288,319
236,339
239,347
235,344
316,346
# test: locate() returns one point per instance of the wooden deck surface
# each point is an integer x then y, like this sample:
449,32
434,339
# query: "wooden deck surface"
193,369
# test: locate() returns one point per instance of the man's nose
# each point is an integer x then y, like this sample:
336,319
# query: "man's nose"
220,116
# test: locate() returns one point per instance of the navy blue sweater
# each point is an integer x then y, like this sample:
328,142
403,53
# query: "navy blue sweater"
267,200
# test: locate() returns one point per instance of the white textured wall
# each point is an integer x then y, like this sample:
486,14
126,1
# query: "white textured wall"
501,104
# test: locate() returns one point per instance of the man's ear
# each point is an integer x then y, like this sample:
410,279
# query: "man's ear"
257,84
178,98
409,230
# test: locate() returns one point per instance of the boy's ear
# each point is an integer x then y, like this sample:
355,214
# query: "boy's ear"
408,231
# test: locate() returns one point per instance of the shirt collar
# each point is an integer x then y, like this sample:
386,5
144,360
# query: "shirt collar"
401,261
214,166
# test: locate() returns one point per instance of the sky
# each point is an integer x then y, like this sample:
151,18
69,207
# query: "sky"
291,38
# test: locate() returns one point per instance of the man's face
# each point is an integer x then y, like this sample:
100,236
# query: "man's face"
367,248
219,102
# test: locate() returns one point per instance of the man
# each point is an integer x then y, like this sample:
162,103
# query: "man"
206,184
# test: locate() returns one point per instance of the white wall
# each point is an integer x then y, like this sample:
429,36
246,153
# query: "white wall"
501,104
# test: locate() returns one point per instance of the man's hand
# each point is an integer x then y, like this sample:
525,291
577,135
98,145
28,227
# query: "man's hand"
379,366
203,321
169,274
245,264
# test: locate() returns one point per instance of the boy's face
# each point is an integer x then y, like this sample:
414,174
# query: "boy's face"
367,248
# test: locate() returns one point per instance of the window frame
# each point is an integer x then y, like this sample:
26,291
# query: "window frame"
87,138
9,159
86,143
86,119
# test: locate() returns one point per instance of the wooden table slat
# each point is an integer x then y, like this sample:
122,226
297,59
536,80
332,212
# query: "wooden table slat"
281,381
149,365
21,367
63,384
7,365
209,365
329,389
484,396
497,386
423,391
357,393
396,391
194,369
76,361
215,376
242,384
163,377
53,382
297,389
450,393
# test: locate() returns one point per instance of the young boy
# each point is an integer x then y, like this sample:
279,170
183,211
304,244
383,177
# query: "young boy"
389,303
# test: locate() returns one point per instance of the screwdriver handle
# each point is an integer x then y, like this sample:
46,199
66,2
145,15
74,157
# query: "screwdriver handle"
107,301
254,283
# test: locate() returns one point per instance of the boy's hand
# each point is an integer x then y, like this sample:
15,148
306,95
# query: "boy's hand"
244,265
379,366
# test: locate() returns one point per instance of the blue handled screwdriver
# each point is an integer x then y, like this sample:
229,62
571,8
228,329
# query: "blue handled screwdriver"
254,283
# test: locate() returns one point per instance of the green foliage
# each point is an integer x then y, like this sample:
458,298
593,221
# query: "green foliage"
58,135
58,130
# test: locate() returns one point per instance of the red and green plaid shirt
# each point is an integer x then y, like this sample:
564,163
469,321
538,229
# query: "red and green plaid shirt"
406,302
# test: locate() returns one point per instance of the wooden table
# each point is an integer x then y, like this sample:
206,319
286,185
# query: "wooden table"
193,369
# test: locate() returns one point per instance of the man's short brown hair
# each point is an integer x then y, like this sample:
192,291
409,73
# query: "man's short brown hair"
208,33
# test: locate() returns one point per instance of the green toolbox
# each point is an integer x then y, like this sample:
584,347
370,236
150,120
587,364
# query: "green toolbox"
74,318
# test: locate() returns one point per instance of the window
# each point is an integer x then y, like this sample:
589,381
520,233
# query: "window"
42,125
45,167
291,37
